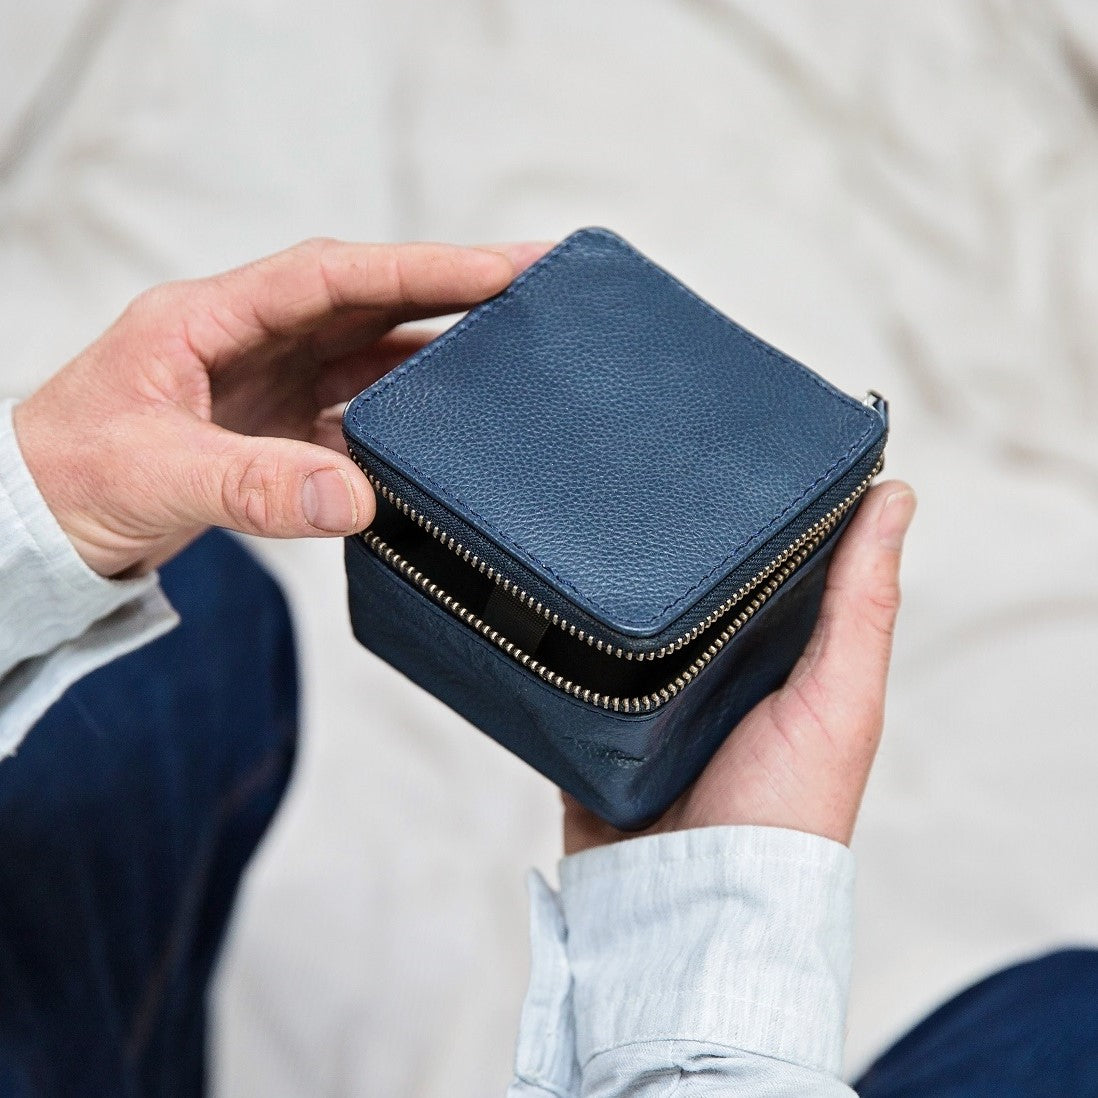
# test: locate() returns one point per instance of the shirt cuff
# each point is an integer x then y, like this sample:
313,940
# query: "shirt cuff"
545,1060
58,618
738,937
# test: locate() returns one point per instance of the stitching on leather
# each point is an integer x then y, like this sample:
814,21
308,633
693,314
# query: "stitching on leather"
771,352
515,290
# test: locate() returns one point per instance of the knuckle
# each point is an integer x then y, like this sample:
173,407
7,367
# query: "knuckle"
314,246
153,302
881,608
250,494
317,257
325,258
886,598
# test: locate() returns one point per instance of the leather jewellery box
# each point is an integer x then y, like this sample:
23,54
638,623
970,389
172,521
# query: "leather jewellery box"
604,518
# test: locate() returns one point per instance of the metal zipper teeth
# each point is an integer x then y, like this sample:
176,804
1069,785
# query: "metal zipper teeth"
770,579
642,704
817,530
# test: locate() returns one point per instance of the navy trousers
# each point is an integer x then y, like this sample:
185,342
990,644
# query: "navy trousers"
1030,1031
130,813
126,820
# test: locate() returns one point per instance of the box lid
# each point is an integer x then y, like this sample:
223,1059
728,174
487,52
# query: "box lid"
613,434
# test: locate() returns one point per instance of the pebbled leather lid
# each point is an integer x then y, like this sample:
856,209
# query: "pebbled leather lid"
614,433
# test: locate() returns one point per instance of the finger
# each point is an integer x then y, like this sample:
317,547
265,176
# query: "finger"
520,255
274,487
356,329
328,429
288,294
583,829
852,645
348,375
346,333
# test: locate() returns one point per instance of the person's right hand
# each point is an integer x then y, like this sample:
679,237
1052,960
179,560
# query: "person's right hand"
801,758
202,405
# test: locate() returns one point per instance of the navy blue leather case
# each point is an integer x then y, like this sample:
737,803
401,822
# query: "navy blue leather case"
604,517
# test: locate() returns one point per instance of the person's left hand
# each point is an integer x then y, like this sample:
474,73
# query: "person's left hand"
204,403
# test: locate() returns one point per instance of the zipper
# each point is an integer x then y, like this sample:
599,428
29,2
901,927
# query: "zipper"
761,586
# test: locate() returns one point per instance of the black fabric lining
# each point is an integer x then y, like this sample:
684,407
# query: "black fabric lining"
562,653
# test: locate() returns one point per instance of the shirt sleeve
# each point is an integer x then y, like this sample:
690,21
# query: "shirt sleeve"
708,962
59,620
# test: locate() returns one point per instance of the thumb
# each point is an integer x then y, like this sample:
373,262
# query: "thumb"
850,651
273,487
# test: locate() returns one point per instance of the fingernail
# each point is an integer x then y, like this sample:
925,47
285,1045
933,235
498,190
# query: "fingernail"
329,502
896,516
333,413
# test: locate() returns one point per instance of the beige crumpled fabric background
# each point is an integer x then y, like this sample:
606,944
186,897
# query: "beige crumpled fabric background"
903,195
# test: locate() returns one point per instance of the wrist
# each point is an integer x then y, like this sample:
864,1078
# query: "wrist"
57,475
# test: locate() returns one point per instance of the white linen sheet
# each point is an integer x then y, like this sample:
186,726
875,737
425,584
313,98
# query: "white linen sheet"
902,195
